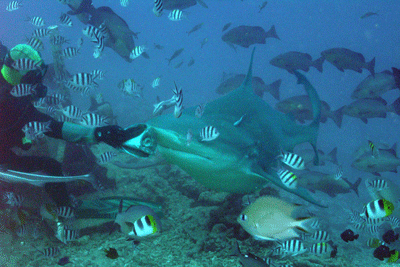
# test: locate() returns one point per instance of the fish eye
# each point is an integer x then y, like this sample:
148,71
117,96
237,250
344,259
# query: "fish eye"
243,217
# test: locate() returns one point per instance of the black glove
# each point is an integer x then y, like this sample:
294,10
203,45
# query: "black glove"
112,135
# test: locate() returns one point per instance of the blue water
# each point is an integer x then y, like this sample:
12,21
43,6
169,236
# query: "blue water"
305,26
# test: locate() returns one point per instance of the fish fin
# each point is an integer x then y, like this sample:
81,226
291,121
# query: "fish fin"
337,116
396,106
364,120
376,173
333,156
396,74
370,66
354,186
273,89
318,63
271,33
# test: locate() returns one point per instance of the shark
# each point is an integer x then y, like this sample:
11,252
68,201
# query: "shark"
244,156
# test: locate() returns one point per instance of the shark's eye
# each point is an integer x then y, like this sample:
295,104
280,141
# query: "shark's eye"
243,217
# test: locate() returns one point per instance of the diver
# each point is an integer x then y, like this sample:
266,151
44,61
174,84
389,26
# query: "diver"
15,112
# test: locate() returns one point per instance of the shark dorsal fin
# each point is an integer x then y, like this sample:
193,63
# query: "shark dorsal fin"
247,83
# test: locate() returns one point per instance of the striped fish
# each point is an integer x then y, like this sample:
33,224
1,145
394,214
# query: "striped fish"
54,99
158,8
320,236
65,20
292,160
25,64
99,48
34,129
315,224
288,178
98,74
136,52
66,235
50,252
58,40
374,149
124,3
339,172
65,212
106,157
93,33
36,43
209,133
377,209
130,87
394,221
22,89
320,248
94,120
178,101
13,5
293,247
104,30
175,15
144,226
360,226
355,217
42,32
199,111
378,184
372,229
12,199
69,52
375,221
72,112
82,79
79,42
156,82
36,21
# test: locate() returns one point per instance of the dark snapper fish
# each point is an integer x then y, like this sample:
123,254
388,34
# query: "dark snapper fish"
343,58
375,86
38,179
293,60
245,36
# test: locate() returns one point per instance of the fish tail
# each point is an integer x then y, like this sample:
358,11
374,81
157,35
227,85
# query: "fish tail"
337,116
354,186
273,89
396,74
318,63
396,106
247,83
271,33
333,156
371,66
235,250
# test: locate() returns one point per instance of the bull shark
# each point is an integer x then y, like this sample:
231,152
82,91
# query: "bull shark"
244,156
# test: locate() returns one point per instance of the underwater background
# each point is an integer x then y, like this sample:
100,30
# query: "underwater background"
199,225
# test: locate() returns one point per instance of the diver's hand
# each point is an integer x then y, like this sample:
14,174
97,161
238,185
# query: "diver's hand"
112,135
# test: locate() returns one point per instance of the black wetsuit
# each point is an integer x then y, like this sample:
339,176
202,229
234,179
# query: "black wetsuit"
15,112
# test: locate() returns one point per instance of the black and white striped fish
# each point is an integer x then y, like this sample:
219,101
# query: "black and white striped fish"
124,3
175,15
375,221
36,21
292,160
98,74
288,178
13,5
54,99
42,32
35,43
355,217
145,226
72,112
199,111
12,199
360,226
372,229
93,33
63,118
82,79
58,40
104,30
22,89
65,20
394,221
70,52
156,82
136,52
65,212
339,172
26,64
178,101
293,247
66,235
36,129
50,252
378,184
321,248
99,48
320,236
158,8
94,120
106,157
209,133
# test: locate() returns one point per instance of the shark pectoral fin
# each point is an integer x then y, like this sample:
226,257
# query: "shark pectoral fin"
301,192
